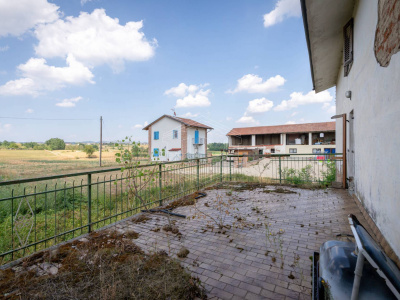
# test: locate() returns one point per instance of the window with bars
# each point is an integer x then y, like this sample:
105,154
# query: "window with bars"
348,47
292,150
174,134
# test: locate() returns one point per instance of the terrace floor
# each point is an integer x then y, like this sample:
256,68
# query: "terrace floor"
242,263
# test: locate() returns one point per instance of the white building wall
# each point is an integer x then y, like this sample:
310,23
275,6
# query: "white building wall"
376,104
165,127
191,148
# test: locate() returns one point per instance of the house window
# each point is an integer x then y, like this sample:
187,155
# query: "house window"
156,135
156,152
292,150
348,47
316,150
272,150
174,134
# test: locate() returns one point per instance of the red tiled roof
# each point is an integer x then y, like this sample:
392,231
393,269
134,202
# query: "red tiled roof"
175,149
187,122
292,128
192,123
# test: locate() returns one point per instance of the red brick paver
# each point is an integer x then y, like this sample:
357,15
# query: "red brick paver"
242,263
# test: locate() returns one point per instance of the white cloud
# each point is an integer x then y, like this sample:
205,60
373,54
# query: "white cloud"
259,105
189,115
71,102
247,120
330,109
290,122
183,90
94,39
229,118
39,77
254,84
294,113
5,127
83,2
139,126
29,111
283,9
198,100
255,106
18,16
297,99
4,48
190,95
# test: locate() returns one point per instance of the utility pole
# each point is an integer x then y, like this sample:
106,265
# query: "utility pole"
101,136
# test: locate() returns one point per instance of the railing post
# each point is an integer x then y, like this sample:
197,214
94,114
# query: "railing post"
220,171
12,223
230,170
198,174
89,182
160,182
280,170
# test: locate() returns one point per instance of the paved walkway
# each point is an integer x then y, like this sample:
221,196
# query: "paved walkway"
242,263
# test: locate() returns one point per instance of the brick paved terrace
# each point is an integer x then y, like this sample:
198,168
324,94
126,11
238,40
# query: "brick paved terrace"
242,263
262,251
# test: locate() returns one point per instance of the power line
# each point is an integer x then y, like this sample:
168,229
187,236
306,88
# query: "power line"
45,119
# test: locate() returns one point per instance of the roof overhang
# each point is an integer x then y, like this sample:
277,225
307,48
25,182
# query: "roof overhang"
323,25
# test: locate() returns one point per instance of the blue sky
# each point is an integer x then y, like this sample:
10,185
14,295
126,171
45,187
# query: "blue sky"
224,63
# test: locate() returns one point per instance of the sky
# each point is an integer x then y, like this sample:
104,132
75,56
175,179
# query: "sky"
227,64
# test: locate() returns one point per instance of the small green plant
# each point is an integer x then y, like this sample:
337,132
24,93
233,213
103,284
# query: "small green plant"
137,178
329,175
297,177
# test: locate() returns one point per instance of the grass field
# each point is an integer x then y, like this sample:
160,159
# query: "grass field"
19,164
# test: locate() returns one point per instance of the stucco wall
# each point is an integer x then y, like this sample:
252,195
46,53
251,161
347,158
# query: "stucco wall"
308,149
190,136
165,127
376,104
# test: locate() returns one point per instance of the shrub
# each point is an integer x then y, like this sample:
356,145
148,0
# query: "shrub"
89,150
329,175
298,176
55,144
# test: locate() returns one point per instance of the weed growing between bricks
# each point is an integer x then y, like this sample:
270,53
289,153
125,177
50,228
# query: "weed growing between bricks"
106,265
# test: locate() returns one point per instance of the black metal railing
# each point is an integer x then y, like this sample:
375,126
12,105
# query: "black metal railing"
36,213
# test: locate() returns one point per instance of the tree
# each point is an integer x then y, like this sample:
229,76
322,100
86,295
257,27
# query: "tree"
6,144
30,145
40,147
13,145
89,150
55,144
217,146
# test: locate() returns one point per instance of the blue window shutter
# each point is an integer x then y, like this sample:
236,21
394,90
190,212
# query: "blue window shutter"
196,137
156,135
155,152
